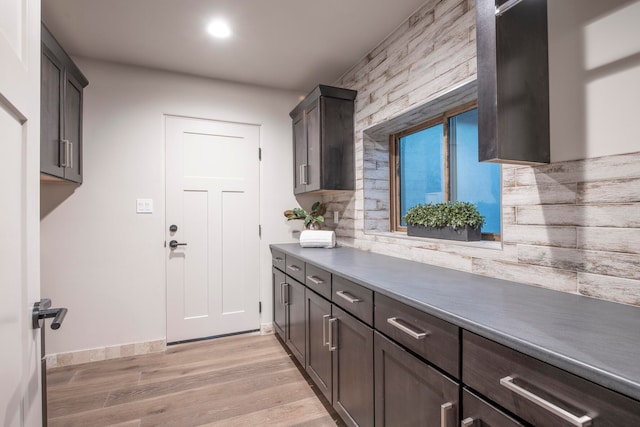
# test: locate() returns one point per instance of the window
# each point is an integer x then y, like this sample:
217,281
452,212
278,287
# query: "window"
438,161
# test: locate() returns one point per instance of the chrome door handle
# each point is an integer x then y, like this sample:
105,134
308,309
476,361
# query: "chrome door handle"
583,421
304,170
467,422
42,310
393,321
286,293
332,346
344,295
324,330
293,268
445,409
174,244
315,280
282,293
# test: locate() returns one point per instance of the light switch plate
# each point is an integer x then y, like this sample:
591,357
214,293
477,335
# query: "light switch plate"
144,205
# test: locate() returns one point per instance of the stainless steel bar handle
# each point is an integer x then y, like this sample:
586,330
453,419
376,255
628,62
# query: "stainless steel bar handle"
344,295
63,153
70,158
278,259
332,346
282,292
445,409
286,293
324,330
293,267
316,280
467,422
303,174
393,321
500,10
583,421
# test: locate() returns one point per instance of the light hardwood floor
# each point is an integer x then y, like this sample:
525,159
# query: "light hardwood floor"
245,380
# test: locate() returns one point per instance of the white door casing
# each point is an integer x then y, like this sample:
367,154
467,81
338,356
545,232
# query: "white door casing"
20,381
212,196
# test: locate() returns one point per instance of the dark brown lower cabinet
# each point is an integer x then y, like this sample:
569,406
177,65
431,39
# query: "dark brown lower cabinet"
352,344
279,307
408,392
319,366
476,412
539,393
296,319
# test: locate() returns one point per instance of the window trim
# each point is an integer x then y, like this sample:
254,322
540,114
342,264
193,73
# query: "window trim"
394,164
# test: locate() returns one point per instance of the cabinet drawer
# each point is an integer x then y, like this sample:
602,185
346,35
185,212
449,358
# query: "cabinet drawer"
277,259
354,298
294,268
476,412
319,280
539,393
433,339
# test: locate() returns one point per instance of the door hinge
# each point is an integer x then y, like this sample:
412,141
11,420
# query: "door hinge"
259,306
259,230
259,153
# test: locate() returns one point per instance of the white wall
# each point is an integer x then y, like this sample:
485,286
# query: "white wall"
102,260
594,70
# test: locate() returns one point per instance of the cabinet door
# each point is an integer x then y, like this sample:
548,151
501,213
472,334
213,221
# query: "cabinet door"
299,154
478,413
318,354
296,330
279,308
314,140
52,75
73,127
352,368
408,392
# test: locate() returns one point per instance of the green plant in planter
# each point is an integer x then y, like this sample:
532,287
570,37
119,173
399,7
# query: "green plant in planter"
447,214
434,219
312,218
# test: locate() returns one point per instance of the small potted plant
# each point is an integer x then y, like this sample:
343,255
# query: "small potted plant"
312,218
447,220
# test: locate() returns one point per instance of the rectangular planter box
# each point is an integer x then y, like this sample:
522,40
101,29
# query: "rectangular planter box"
466,234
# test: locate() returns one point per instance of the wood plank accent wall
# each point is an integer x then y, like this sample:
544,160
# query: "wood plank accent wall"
571,226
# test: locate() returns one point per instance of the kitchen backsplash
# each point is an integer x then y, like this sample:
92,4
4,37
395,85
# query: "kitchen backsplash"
571,226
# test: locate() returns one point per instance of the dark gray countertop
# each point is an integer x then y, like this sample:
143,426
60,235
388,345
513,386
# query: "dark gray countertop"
597,340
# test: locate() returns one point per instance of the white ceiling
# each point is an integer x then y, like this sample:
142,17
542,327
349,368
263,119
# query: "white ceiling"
288,44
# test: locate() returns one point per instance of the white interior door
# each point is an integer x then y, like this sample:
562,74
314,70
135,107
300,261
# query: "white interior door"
212,184
20,382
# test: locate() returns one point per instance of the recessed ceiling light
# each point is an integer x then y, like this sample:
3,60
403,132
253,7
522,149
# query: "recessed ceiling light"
219,29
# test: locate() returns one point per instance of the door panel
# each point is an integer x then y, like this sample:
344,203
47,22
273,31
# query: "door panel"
318,355
20,379
279,309
352,369
409,392
212,197
296,337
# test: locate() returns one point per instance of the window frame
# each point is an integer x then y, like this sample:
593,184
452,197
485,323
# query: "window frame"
394,164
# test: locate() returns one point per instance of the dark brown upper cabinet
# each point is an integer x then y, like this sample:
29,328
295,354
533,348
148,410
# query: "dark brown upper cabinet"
323,141
62,84
513,81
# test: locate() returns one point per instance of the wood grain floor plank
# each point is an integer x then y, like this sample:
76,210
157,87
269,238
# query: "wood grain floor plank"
231,380
308,412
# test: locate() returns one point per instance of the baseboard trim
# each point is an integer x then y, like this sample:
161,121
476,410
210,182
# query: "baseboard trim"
105,353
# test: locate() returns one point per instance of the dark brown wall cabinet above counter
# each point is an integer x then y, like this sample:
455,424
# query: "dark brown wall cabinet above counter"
390,342
513,81
323,141
62,85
